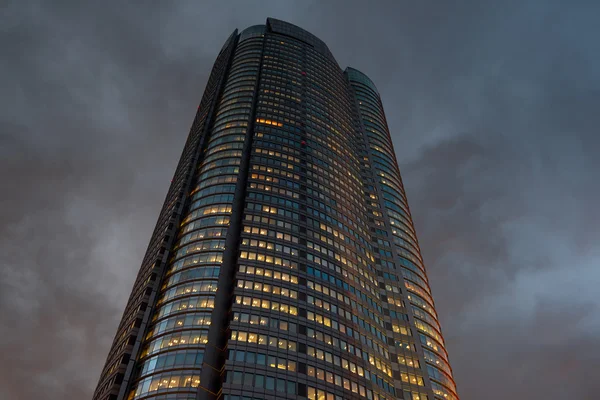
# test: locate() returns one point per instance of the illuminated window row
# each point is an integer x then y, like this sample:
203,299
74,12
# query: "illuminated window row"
425,327
274,189
412,378
280,94
190,303
425,316
282,80
403,330
321,249
265,287
261,320
237,79
266,304
408,273
347,275
270,246
266,198
408,361
408,250
341,259
200,246
436,360
281,139
268,122
330,230
330,242
206,233
266,102
222,132
271,161
442,392
177,322
168,380
218,180
336,380
271,221
399,221
251,256
391,186
280,135
208,172
350,316
241,114
331,144
396,301
232,104
320,181
317,287
245,75
204,222
270,233
324,217
272,210
338,282
392,201
433,345
237,89
222,154
343,345
338,326
328,174
253,358
287,123
269,273
237,94
416,289
319,394
441,377
272,153
207,286
267,178
414,396
198,259
273,63
348,239
339,361
275,171
223,147
193,338
281,182
263,340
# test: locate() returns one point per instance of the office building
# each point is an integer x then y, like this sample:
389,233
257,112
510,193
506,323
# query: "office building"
284,263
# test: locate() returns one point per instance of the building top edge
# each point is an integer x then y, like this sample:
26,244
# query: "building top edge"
278,26
358,76
252,31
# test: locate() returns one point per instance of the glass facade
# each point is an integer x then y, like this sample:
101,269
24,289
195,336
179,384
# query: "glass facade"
285,263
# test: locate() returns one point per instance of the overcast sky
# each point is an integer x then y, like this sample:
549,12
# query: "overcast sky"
494,108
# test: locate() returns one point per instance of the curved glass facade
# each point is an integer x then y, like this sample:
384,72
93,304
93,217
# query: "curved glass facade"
291,268
398,246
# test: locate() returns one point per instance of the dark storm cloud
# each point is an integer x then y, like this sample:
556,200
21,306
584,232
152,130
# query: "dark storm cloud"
493,112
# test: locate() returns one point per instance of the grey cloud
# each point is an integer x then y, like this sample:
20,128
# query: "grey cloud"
493,112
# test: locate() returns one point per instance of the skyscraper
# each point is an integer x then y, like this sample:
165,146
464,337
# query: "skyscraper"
284,263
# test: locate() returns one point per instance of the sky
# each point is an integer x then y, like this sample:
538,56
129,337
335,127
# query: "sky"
494,111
